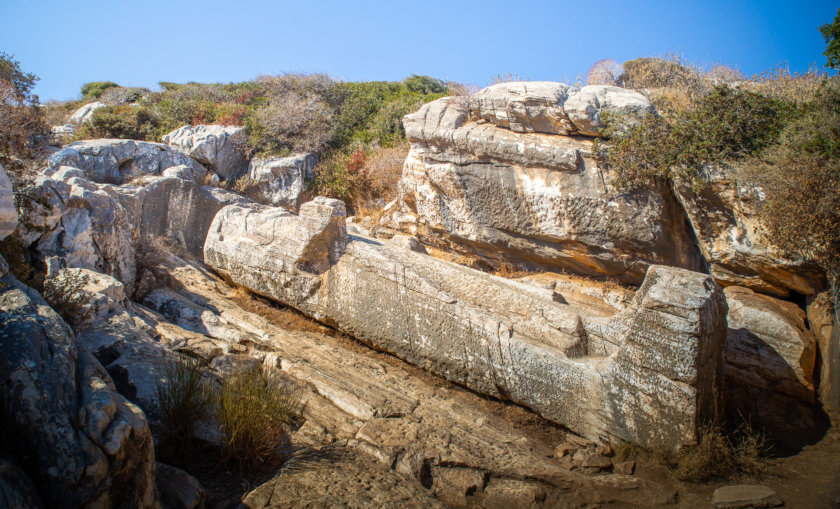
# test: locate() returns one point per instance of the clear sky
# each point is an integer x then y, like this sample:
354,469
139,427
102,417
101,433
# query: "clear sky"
68,43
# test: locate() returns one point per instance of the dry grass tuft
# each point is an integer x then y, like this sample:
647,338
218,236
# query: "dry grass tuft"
254,410
720,456
183,395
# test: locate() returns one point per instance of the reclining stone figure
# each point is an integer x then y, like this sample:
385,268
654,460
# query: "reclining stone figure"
650,374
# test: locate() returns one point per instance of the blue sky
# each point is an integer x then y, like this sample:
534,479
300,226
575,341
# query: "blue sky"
68,43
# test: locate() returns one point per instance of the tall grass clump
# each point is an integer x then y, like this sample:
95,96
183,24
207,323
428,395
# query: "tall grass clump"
183,395
254,409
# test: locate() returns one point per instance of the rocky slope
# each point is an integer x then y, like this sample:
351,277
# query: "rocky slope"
508,174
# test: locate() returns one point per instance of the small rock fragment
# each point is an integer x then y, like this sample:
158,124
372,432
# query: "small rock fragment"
745,495
624,467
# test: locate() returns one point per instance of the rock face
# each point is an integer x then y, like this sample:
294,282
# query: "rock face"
281,181
95,226
648,374
556,108
219,148
118,161
530,197
8,210
84,113
723,217
588,108
81,441
770,360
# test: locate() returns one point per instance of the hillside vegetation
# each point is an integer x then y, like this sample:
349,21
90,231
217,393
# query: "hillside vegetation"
775,134
351,126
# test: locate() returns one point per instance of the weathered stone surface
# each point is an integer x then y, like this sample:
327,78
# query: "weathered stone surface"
84,443
94,225
281,181
218,147
178,489
119,161
531,198
339,478
182,171
649,373
430,432
768,344
524,106
556,108
588,107
8,210
823,315
84,113
408,242
16,489
741,496
770,360
724,219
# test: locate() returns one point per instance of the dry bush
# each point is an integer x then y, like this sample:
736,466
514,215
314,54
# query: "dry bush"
671,83
718,456
605,72
22,126
800,180
254,409
383,169
65,293
793,87
119,96
58,112
725,75
507,78
183,395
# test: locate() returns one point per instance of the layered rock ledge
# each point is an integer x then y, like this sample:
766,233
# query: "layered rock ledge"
648,374
531,197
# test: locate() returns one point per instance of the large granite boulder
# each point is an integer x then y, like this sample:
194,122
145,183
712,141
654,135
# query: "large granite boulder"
531,198
96,226
770,364
8,210
85,113
75,435
592,106
648,374
218,147
724,218
281,181
119,161
823,313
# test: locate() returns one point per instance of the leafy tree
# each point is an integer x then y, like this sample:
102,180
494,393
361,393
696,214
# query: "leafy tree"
22,124
832,38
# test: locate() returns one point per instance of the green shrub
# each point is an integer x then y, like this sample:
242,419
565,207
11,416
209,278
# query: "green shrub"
253,411
722,127
425,85
183,395
94,89
800,180
123,122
